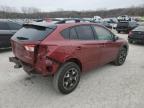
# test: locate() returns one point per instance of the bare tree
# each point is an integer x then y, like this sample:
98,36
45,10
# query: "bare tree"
8,9
30,10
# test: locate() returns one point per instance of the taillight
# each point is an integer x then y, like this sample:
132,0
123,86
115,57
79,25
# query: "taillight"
29,48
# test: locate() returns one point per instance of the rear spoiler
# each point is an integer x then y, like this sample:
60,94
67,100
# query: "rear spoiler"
41,24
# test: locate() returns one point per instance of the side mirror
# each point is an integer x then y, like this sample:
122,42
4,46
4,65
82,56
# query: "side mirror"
116,38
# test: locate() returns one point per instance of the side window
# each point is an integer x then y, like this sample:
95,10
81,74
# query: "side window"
85,33
14,26
69,33
102,33
4,26
65,33
73,34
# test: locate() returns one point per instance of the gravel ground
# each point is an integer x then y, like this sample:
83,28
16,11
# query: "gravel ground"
106,87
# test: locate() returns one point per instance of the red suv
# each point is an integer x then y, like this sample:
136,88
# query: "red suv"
65,50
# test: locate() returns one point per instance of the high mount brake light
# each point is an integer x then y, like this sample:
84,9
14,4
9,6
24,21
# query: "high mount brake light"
29,48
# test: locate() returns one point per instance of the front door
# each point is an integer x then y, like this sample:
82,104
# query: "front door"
109,49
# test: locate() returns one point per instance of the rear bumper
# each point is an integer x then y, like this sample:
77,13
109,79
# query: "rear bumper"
38,68
136,40
18,63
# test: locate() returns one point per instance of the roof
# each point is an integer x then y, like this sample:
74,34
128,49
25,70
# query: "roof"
52,25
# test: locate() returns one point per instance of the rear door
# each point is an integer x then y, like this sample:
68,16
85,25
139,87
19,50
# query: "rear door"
90,53
109,48
26,41
86,46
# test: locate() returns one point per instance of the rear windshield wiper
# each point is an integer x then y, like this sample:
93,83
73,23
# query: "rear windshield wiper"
22,38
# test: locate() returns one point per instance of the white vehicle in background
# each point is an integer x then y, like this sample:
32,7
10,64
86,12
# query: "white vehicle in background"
97,19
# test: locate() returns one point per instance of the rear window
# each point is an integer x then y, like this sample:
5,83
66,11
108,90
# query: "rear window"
33,33
65,33
69,34
73,34
85,33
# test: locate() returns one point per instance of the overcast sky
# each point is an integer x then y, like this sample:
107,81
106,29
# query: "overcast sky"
52,5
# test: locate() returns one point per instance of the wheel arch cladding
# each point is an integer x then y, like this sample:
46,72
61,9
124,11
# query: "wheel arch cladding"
75,61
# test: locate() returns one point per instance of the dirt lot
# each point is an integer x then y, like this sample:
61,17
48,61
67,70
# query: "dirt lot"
106,87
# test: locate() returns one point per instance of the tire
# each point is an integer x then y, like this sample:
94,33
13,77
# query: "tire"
121,57
67,78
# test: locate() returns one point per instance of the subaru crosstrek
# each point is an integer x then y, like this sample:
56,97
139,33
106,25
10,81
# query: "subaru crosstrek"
65,50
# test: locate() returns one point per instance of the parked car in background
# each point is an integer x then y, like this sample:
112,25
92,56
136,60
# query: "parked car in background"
111,21
97,19
103,23
137,35
106,24
126,26
7,30
64,50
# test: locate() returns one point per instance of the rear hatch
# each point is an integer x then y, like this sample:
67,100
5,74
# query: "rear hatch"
25,42
122,25
138,34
